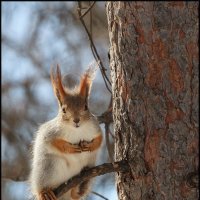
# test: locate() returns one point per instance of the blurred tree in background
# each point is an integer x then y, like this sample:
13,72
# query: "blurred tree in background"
35,36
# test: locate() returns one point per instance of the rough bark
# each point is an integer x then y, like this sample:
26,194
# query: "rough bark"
154,72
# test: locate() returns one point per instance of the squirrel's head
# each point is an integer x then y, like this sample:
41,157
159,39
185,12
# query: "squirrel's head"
73,105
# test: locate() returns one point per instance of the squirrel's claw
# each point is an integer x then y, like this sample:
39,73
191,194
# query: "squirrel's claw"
85,146
86,150
47,194
46,197
78,150
74,148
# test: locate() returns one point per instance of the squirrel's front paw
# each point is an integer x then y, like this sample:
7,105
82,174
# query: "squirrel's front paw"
75,148
85,146
47,194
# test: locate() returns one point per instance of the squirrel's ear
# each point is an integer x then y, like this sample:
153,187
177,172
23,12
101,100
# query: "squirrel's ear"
86,82
56,80
85,86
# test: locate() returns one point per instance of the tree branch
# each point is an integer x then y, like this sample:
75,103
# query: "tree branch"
97,194
110,150
121,166
106,117
90,7
94,50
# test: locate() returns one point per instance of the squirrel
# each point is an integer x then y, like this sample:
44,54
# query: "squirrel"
67,144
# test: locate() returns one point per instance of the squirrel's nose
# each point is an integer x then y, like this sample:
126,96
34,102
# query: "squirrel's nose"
76,120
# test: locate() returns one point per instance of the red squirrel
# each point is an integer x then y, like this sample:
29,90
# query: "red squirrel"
67,144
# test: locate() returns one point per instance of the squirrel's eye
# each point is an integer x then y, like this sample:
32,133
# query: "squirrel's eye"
64,110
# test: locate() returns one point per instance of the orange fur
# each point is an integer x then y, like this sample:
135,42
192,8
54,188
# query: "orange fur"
74,193
47,194
65,147
80,190
56,80
93,145
85,84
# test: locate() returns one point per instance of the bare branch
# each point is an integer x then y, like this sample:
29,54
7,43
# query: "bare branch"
90,7
122,166
94,50
97,194
110,152
90,21
106,117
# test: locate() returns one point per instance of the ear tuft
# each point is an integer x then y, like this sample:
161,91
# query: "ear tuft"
56,80
86,80
92,68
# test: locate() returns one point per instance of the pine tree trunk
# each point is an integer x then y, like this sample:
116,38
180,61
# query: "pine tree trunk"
154,72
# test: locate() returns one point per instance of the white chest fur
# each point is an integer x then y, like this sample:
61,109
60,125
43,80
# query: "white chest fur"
87,131
64,166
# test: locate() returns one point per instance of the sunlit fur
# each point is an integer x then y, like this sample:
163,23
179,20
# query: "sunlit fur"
50,167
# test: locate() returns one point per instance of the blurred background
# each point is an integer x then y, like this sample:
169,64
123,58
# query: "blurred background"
36,36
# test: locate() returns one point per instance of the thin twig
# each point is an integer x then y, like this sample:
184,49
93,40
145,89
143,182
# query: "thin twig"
97,194
97,57
90,21
90,7
110,110
121,166
106,117
94,50
112,135
110,153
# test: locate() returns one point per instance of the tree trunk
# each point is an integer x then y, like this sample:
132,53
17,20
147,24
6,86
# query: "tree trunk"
154,73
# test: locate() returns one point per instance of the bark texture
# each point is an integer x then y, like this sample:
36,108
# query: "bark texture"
154,72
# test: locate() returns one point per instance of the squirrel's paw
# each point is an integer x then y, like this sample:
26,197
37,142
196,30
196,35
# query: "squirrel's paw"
47,194
75,149
85,146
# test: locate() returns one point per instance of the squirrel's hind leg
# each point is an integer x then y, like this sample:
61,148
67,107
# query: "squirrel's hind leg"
80,190
47,194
